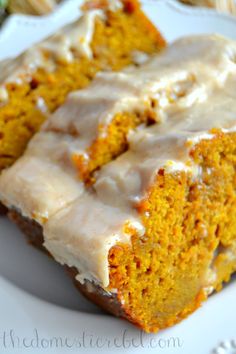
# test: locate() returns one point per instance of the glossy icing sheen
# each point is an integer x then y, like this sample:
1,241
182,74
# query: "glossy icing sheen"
73,40
194,86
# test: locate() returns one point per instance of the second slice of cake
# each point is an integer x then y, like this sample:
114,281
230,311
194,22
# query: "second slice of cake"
109,36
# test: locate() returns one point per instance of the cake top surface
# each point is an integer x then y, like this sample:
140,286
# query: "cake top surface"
193,82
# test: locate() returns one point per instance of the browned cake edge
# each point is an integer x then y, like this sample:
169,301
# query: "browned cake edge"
3,209
93,292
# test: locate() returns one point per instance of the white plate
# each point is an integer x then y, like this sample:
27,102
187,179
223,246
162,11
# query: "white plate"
36,296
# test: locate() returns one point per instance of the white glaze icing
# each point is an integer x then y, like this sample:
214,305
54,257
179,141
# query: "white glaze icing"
115,5
95,237
194,84
175,87
73,39
43,179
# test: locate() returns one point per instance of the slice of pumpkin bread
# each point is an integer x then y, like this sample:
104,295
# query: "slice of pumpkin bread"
153,233
106,37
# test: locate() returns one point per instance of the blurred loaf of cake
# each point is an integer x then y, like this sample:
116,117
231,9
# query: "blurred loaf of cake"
228,6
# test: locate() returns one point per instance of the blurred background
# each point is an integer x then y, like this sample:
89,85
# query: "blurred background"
42,7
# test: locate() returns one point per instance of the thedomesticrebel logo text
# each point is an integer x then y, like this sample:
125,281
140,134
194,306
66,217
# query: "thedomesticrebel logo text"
11,339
